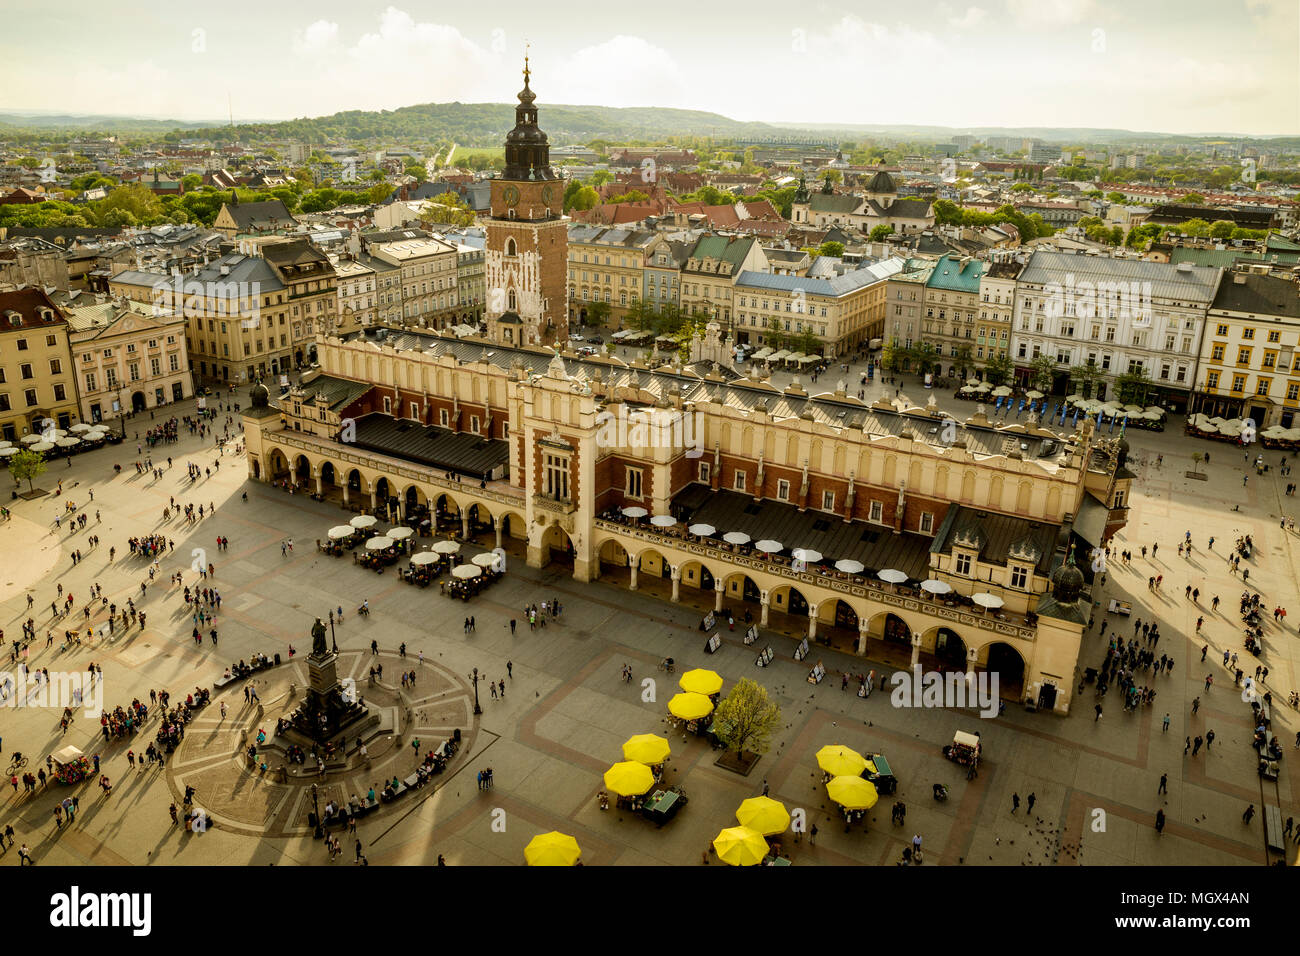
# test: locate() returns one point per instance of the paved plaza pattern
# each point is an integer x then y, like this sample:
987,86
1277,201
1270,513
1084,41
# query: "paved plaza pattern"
566,711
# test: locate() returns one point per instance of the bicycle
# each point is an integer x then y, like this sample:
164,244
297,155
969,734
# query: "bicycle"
667,665
17,762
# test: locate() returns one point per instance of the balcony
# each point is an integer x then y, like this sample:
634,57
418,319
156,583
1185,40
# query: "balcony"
559,506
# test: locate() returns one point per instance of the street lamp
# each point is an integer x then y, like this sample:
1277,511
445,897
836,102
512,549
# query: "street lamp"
333,640
315,807
477,709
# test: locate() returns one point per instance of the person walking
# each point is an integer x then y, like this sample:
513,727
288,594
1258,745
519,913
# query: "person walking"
510,669
1209,739
1165,725
1187,747
1097,707
1029,803
812,835
1160,821
1164,784
1249,814
1015,802
1196,744
1196,704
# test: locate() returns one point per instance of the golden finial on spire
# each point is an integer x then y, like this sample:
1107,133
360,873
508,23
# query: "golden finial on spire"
526,70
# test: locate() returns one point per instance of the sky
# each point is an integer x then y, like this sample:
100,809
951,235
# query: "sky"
1182,66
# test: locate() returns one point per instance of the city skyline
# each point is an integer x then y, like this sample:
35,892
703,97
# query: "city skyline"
1202,68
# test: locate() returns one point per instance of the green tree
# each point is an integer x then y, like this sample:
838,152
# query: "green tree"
1133,387
447,209
379,192
890,357
881,232
1193,199
584,198
746,718
1083,378
191,182
597,313
999,369
26,466
1042,372
831,248
776,337
1197,228
1222,229
963,357
808,343
135,199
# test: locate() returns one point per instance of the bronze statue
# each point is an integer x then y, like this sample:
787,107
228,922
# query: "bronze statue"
318,647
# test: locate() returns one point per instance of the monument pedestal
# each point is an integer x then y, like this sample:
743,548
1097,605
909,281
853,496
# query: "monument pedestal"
326,710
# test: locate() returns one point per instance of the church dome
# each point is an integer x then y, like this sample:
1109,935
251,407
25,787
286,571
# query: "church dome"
882,182
1067,583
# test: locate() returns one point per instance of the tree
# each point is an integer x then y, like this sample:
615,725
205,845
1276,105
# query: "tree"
963,358
881,232
1193,199
889,355
808,343
1196,460
999,369
776,336
1042,372
1133,387
831,248
135,199
1084,377
1222,229
584,198
27,465
597,313
746,718
447,209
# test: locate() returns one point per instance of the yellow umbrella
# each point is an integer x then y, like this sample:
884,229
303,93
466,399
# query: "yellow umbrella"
690,706
646,748
701,681
841,761
552,849
629,779
853,793
740,846
767,816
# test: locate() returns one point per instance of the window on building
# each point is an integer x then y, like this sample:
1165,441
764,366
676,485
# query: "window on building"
1019,576
738,483
632,488
388,405
961,564
444,419
927,522
876,512
556,476
828,501
704,472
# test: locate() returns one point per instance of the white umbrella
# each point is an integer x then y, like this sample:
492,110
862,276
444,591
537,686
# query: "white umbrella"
42,446
983,387
4,443
849,566
892,576
1002,391
424,557
807,555
736,537
634,512
1033,395
54,434
984,599
703,530
378,543
364,521
466,571
68,442
1076,397
663,521
9,452
1209,429
936,587
488,559
341,531
967,389
446,547
79,427
770,546
1133,409
972,381
31,439
1155,408
398,533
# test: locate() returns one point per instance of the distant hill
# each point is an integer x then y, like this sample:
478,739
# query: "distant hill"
68,121
482,124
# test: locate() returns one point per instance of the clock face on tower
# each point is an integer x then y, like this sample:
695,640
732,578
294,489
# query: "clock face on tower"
510,195
547,195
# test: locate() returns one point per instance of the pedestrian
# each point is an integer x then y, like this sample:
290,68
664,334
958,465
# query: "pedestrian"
1015,802
1196,744
1164,783
1209,739
812,835
510,672
1160,821
1029,802
1165,729
1097,707
1187,747
1249,814
1196,704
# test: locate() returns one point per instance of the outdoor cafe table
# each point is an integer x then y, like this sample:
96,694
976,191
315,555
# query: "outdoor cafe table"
662,804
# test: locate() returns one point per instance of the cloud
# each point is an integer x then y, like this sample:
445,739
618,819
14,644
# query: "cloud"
971,18
622,71
1052,13
318,38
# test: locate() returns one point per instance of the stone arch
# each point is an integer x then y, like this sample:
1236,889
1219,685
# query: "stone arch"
1008,663
357,482
697,574
995,492
555,545
1053,500
612,553
790,600
302,469
846,615
511,525
739,586
891,627
652,562
329,476
968,485
1024,497
891,467
277,465
946,646
414,500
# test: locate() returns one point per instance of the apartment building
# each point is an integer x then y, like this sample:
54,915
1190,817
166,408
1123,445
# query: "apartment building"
36,372
1250,357
607,265
710,273
905,302
426,281
952,301
127,358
